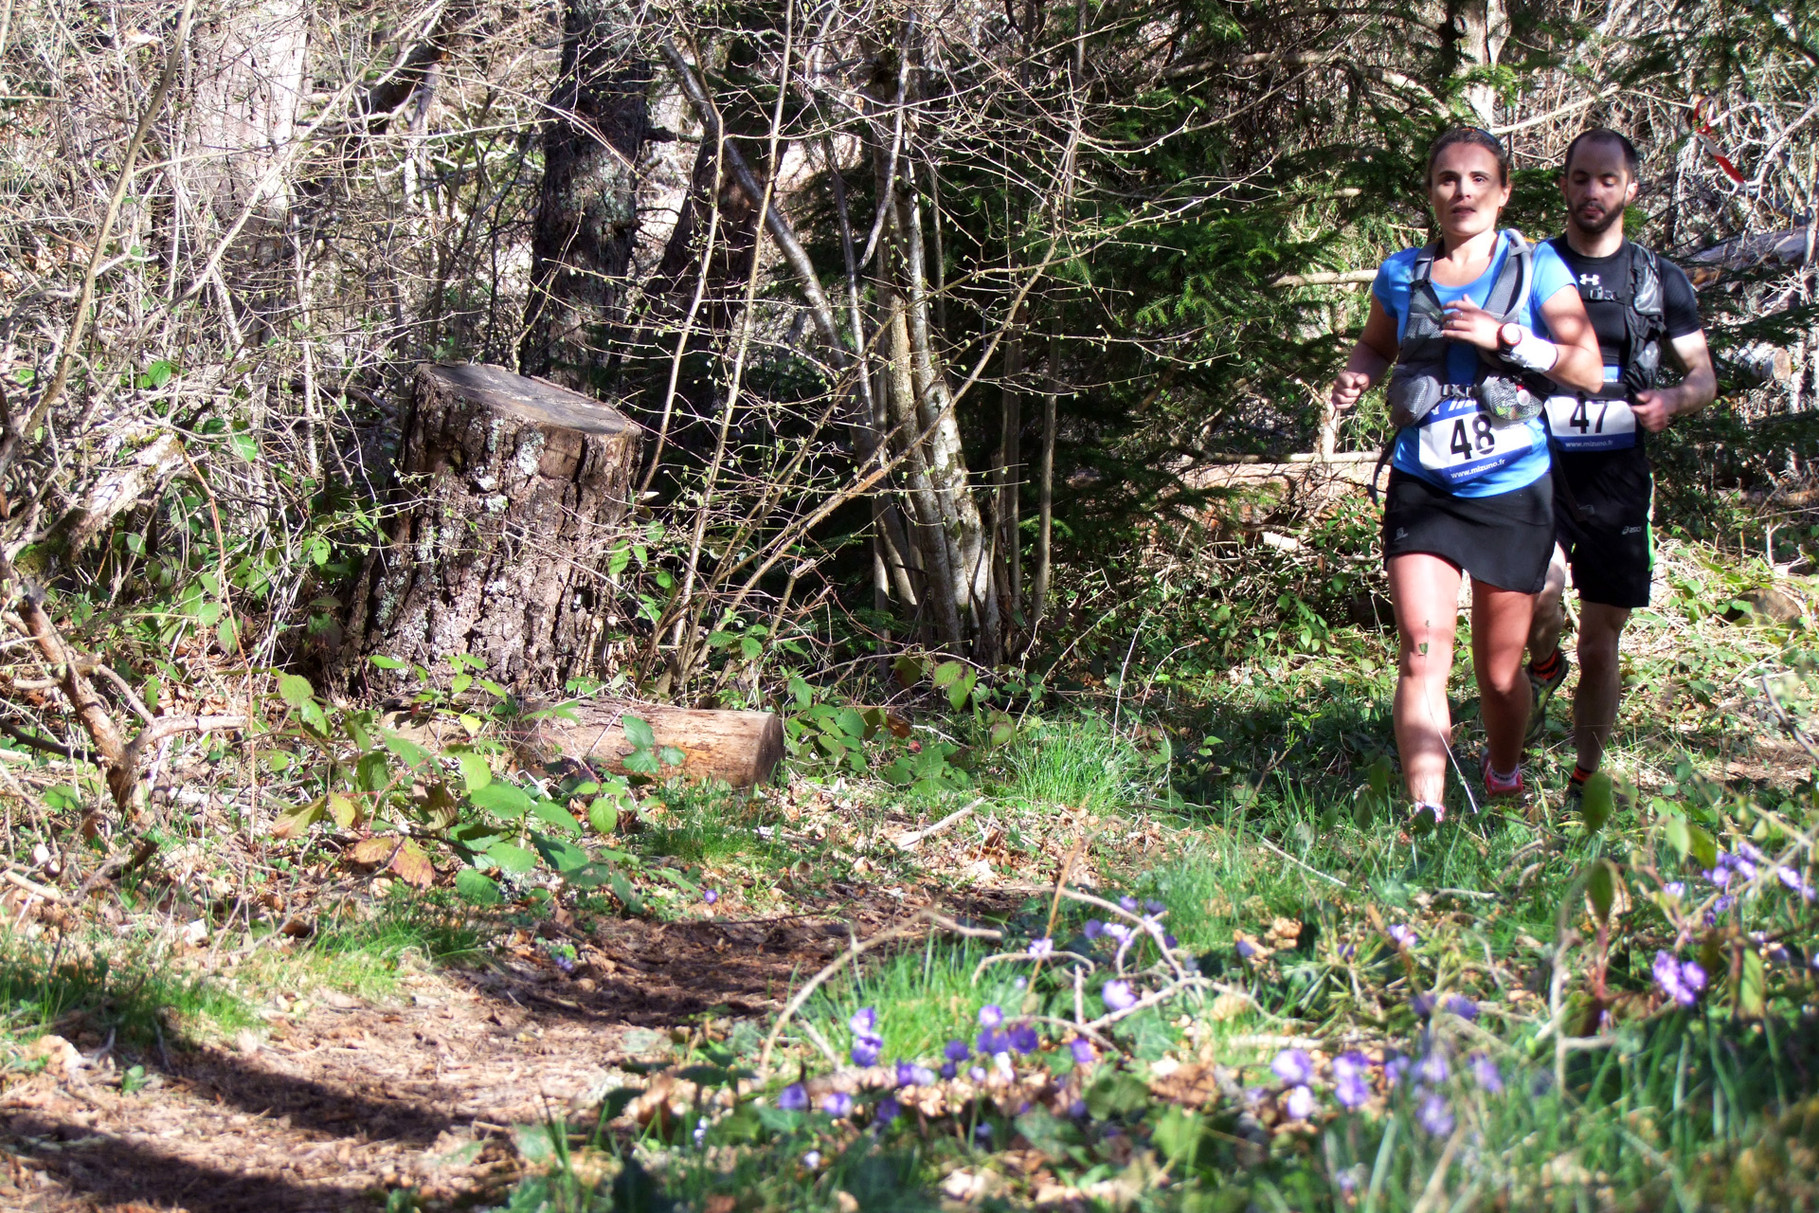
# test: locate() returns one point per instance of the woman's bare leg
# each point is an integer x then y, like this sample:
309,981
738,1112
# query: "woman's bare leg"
1425,591
1500,631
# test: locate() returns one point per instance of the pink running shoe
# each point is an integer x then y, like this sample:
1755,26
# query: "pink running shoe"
1498,786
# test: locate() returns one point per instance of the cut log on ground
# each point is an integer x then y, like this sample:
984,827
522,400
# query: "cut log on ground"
1759,364
741,748
511,491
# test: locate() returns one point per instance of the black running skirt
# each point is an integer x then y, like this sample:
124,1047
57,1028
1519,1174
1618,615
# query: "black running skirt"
1504,540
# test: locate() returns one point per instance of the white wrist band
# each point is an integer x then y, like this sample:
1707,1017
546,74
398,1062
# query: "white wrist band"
1533,353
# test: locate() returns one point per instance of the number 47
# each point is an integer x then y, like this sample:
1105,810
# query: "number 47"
1581,418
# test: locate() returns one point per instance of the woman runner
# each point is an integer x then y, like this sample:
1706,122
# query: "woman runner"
1469,491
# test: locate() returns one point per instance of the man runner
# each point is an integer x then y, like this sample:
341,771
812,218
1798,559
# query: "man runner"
1638,304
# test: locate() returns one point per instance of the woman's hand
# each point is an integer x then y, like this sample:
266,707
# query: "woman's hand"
1348,387
1467,322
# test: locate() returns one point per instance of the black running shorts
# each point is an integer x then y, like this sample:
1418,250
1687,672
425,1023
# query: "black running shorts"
1608,541
1505,540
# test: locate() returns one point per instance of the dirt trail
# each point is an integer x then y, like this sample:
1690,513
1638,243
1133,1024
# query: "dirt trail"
330,1108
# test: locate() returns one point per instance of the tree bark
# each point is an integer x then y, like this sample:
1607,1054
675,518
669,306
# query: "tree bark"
510,493
586,221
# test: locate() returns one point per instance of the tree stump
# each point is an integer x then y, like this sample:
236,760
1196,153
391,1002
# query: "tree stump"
510,492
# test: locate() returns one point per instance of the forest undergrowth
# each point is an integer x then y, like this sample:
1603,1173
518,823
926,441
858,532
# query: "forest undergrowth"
1163,939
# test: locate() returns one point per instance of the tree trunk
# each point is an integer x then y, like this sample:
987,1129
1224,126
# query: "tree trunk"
586,221
510,491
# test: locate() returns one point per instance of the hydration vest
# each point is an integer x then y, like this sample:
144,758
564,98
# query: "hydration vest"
1602,421
1420,380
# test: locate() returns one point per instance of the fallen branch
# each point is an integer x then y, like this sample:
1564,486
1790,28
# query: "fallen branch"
30,886
909,840
1313,871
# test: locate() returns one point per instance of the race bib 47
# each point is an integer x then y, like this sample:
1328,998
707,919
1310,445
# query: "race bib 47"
1461,442
1591,425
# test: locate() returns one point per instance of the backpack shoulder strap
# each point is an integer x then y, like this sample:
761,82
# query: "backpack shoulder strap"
1645,283
1514,278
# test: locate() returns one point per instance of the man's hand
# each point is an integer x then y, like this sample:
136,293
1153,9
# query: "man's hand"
1655,408
1467,322
1348,387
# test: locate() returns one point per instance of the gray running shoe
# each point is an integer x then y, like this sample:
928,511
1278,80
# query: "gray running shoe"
1541,690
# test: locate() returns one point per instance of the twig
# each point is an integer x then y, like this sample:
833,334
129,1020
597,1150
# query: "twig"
30,886
909,840
1143,924
45,745
1304,867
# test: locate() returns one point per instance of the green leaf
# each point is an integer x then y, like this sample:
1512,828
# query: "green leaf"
958,693
386,663
1177,1134
511,857
295,689
343,809
474,771
1116,1093
750,648
1597,800
1752,998
1703,846
558,853
478,888
413,754
244,446
501,798
642,762
799,689
372,772
908,670
948,673
555,815
1601,888
638,732
1674,830
628,896
603,815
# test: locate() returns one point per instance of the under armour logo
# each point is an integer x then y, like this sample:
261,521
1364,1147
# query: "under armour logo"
1402,532
1589,280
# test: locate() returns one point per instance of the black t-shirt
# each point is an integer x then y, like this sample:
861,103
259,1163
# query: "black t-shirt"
1611,276
1679,315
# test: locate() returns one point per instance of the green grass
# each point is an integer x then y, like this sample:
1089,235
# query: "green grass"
100,984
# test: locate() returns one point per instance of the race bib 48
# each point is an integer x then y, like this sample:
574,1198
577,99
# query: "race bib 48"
1591,425
1460,442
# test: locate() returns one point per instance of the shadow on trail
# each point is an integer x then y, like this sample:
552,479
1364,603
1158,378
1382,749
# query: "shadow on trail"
107,1169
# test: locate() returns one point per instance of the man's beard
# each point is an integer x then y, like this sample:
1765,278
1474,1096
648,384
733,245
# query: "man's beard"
1601,225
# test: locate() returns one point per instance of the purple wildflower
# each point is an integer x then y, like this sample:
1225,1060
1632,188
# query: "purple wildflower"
1168,941
1675,889
1020,982
1351,1089
1118,931
1462,1006
888,1109
1798,883
836,1103
911,1075
949,1069
1434,1116
709,896
1294,1067
1486,1073
1433,1069
812,1160
983,1132
989,1042
1093,928
1117,995
1423,1004
956,1051
1024,1039
1395,1066
1042,947
1128,904
977,1073
1350,1062
1152,906
1403,935
1077,1109
1246,949
1300,1103
1083,1051
793,1098
864,1022
1254,1095
865,1051
991,1015
1679,981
